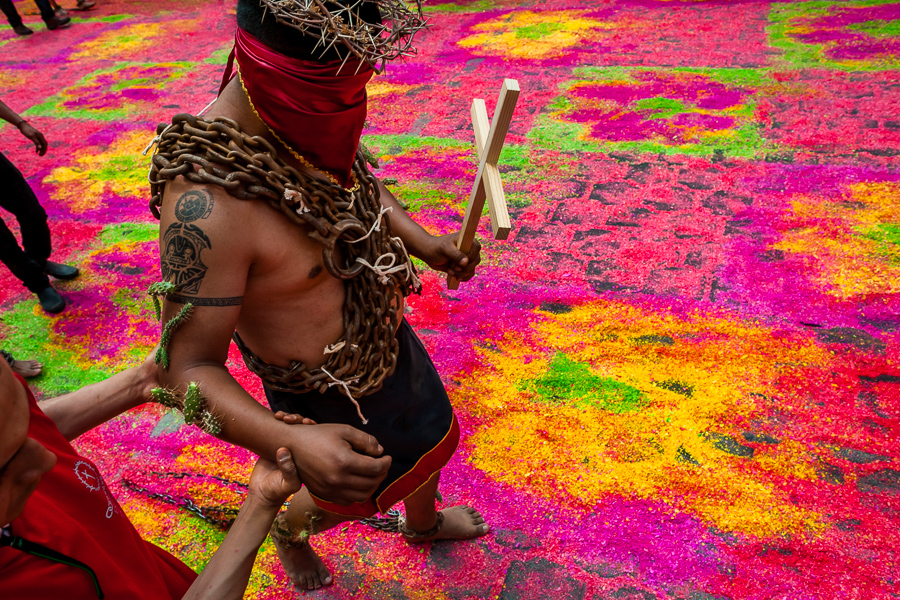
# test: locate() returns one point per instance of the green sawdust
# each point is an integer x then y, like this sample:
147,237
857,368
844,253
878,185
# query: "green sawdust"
134,233
611,74
878,29
36,27
518,200
559,136
220,56
417,195
663,108
513,155
129,169
385,144
551,131
193,541
419,264
625,75
574,383
475,7
888,233
788,19
107,19
538,31
887,236
28,335
132,302
54,105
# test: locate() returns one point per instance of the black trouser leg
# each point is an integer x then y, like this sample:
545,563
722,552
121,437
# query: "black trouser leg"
12,15
19,199
47,12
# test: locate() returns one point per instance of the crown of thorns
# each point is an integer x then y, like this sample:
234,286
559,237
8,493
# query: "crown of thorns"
340,24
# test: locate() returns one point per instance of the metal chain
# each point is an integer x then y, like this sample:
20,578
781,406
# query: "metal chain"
221,515
185,475
218,153
389,523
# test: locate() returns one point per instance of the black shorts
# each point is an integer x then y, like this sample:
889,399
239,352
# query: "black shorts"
410,416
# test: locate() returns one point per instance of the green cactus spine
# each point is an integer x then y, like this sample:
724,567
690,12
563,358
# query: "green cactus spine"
165,397
193,404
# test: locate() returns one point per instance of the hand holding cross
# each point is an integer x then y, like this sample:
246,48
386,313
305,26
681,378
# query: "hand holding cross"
489,138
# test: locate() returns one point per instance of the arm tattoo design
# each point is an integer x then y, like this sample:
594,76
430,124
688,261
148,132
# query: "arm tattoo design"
182,243
193,205
179,299
180,262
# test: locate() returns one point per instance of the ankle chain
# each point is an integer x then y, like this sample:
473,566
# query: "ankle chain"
284,534
415,535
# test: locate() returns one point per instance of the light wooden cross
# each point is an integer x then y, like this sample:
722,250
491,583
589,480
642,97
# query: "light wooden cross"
489,137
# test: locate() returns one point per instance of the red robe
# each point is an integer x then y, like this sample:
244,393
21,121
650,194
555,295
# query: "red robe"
73,512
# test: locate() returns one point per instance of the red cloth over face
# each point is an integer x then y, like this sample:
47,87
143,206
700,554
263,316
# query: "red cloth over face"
73,512
317,108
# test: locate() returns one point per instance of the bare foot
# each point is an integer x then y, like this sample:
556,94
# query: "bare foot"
460,523
303,566
27,368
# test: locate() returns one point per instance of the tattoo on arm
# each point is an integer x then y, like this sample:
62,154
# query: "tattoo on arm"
193,205
180,262
183,242
197,301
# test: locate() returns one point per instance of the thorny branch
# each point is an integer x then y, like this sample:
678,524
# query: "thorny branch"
341,24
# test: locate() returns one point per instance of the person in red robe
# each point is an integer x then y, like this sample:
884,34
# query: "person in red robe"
63,534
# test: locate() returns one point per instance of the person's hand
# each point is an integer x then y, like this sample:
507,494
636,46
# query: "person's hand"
442,254
293,418
338,463
273,483
40,144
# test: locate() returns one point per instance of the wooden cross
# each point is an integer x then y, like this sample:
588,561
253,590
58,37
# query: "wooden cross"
489,137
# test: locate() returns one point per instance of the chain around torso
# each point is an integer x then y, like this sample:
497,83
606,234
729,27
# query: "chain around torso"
350,226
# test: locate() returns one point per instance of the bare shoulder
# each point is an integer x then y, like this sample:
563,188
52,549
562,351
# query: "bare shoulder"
186,201
206,238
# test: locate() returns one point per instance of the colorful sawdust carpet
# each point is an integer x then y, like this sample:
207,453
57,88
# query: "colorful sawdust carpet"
679,378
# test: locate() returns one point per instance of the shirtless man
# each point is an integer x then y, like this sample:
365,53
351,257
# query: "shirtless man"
246,267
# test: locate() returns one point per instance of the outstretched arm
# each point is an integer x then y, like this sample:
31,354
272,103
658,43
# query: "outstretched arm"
91,406
227,573
439,252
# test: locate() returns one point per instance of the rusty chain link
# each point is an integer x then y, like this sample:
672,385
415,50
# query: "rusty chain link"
218,153
223,516
220,515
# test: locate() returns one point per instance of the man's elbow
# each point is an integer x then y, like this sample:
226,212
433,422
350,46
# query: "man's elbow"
180,374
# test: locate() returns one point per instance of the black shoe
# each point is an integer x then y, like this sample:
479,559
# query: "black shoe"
57,22
22,30
60,271
50,300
